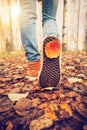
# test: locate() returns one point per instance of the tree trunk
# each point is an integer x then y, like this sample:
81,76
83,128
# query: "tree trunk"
64,30
11,35
82,30
2,43
73,23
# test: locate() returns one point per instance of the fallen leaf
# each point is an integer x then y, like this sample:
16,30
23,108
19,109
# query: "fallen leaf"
67,108
9,125
40,123
16,96
50,112
74,80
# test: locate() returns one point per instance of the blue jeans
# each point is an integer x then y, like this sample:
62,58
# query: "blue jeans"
28,19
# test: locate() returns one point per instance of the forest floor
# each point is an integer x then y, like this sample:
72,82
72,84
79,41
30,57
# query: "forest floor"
25,106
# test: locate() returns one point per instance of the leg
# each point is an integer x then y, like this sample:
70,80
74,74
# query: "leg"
28,18
50,73
28,29
49,10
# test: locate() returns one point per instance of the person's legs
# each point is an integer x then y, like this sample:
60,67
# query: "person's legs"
50,73
28,18
49,10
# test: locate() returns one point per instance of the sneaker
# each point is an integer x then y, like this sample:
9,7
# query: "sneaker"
50,72
33,70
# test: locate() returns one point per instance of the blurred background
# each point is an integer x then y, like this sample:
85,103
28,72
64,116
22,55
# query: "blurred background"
71,20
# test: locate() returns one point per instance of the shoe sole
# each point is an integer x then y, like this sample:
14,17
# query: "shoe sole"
50,72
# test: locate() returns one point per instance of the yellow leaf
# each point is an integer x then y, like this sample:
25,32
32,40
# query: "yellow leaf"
50,112
67,108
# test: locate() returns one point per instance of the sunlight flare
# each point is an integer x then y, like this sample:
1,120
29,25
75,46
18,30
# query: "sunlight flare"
15,10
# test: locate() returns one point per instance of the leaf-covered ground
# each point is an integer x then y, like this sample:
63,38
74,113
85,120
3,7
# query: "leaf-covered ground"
62,109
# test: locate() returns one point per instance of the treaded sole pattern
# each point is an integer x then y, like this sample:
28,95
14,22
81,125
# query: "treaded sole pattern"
50,73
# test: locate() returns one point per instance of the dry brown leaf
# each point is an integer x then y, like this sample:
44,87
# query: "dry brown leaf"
67,108
85,83
40,123
9,125
50,112
43,105
74,80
